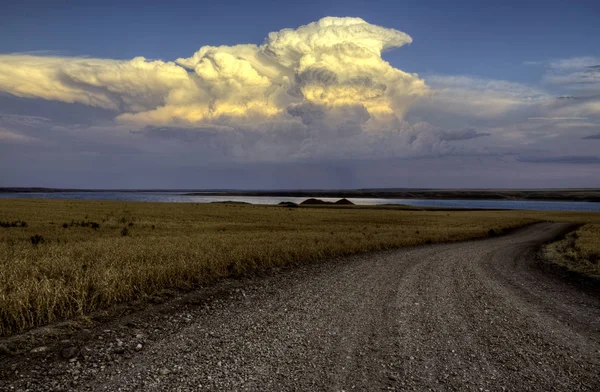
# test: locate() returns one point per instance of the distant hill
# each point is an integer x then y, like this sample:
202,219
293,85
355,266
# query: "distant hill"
312,202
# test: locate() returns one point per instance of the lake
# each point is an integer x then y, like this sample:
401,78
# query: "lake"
179,197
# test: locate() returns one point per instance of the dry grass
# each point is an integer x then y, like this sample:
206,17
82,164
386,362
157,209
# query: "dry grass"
579,251
92,254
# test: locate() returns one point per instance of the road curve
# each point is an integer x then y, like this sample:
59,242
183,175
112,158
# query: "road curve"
476,315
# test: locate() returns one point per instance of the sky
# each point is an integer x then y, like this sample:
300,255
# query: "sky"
312,94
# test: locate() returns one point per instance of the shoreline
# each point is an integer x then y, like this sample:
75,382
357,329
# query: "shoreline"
548,195
592,196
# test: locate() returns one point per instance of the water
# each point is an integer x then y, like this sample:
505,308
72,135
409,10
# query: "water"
179,197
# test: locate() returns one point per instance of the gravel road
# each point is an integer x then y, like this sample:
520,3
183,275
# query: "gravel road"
477,315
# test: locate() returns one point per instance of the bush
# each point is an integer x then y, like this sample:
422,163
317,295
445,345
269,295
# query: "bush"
37,239
7,224
124,231
492,233
93,225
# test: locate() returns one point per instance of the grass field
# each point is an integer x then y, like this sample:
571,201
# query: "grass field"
579,251
62,259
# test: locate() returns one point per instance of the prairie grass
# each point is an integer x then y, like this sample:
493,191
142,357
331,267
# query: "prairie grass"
578,251
98,253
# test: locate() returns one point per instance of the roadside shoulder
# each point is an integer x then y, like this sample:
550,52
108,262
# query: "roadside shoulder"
573,259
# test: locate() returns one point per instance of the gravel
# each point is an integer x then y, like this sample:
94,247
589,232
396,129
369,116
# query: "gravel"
474,315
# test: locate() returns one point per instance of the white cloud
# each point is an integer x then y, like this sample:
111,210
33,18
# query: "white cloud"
571,93
22,120
478,97
135,85
321,90
577,124
7,136
574,63
588,108
557,118
335,62
580,76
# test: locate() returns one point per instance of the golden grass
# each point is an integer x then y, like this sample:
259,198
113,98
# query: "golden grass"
578,251
78,269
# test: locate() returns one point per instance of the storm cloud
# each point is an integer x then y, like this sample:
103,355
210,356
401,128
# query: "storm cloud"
332,63
320,90
319,95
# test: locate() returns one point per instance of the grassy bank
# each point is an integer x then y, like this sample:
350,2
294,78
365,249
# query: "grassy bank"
60,259
578,251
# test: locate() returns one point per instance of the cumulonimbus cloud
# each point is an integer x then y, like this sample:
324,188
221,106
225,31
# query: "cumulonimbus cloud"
328,68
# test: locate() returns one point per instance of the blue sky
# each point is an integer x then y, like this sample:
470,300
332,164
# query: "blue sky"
477,90
490,39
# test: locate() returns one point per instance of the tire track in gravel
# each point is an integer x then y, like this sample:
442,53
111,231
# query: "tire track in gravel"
475,315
